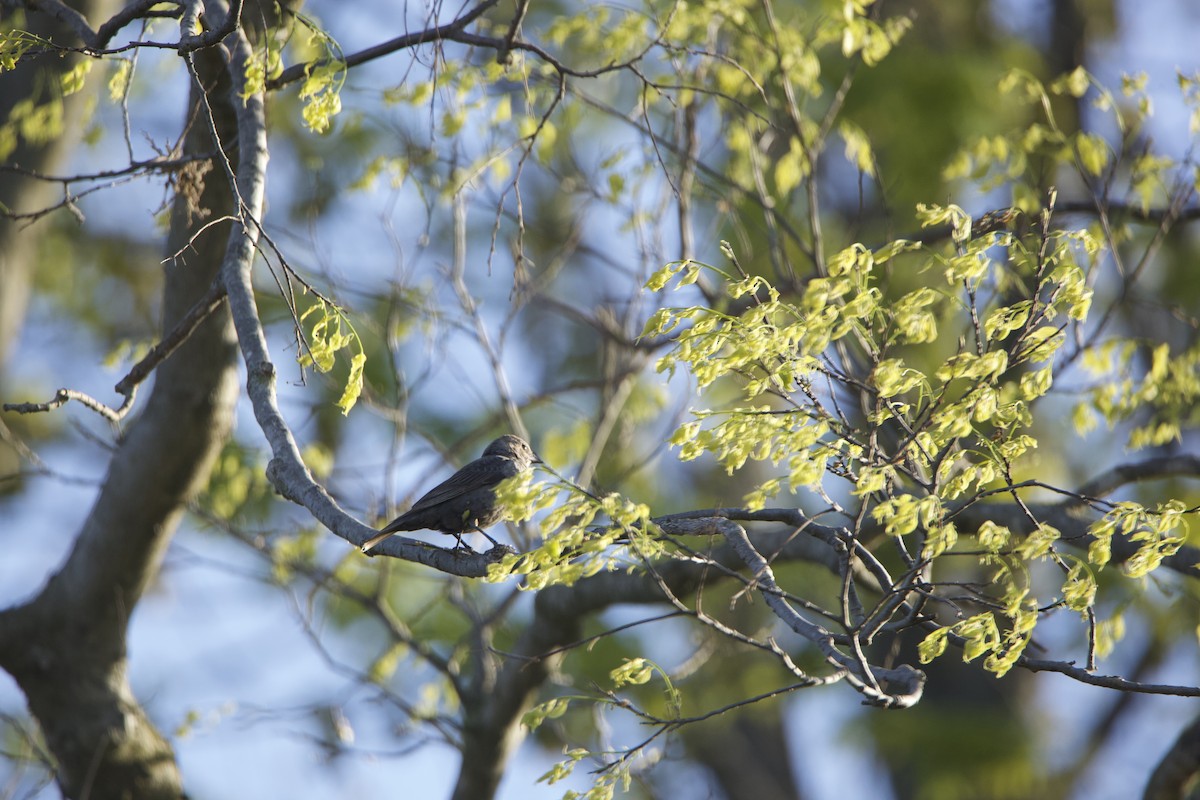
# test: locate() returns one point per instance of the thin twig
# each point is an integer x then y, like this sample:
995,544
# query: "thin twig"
179,334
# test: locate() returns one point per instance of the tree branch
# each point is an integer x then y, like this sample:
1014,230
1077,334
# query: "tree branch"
493,710
438,33
909,683
97,40
286,470
203,308
1007,218
1070,520
1151,469
1106,681
68,16
63,396
230,16
140,9
127,386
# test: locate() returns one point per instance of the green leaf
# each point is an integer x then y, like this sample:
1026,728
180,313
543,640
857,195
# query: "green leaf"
790,169
1093,152
659,279
981,635
939,540
1079,590
383,667
1036,383
933,645
1108,633
633,671
73,79
891,378
858,147
564,768
326,340
1003,321
551,709
993,537
118,83
1075,83
1038,543
354,384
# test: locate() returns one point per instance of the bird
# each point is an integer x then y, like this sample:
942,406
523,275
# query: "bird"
466,501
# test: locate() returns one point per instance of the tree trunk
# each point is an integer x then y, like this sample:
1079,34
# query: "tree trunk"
66,647
1175,776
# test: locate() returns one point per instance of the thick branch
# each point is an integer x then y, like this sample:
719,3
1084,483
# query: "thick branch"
229,19
132,12
76,21
1072,517
1151,469
287,471
67,16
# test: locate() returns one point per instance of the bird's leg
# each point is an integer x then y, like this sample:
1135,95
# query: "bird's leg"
489,538
459,543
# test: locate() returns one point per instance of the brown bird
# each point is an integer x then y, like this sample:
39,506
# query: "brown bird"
466,501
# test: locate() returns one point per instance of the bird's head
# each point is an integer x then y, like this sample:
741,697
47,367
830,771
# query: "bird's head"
515,448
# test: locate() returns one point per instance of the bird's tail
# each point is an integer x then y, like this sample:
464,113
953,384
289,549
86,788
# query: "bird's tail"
374,540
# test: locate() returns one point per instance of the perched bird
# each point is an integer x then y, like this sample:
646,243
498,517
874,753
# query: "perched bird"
466,501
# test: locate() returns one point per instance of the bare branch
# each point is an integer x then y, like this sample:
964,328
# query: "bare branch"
909,683
127,386
62,396
1132,211
141,9
157,164
97,40
1106,681
298,71
171,342
1007,218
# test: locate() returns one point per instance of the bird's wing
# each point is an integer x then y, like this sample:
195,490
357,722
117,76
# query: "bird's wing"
482,472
